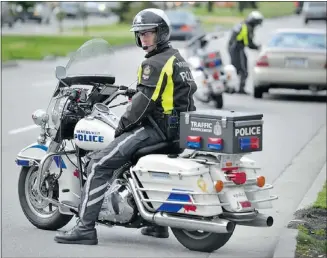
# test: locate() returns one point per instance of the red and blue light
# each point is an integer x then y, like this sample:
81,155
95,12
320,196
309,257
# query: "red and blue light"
249,143
215,143
194,142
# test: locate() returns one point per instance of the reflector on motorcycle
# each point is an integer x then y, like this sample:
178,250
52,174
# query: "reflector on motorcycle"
238,178
194,142
215,143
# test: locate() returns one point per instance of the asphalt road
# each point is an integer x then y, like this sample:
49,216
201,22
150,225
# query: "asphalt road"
290,122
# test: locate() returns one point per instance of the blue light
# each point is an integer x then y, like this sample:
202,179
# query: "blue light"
215,146
218,62
245,143
193,145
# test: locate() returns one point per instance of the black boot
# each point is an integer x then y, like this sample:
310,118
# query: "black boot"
79,235
155,231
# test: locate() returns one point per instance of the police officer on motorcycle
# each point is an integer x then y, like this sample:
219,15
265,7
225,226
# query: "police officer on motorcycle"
241,37
165,88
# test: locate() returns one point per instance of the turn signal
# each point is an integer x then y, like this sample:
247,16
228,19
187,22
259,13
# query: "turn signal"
261,181
219,186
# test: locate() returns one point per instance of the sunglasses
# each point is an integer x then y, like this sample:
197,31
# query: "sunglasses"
145,33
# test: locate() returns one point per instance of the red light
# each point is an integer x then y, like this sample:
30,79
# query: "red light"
215,140
212,55
238,178
262,61
193,138
212,64
254,143
216,75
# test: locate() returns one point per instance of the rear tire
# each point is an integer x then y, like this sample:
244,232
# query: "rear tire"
306,21
201,241
52,221
258,92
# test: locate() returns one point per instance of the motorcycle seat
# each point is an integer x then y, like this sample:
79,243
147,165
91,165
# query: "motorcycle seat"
159,148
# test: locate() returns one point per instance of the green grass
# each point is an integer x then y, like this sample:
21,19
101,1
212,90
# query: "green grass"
227,17
321,201
268,9
16,47
307,242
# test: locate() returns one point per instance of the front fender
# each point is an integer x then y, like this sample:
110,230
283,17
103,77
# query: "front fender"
33,153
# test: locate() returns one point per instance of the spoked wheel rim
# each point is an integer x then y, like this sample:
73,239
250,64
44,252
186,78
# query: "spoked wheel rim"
197,234
34,201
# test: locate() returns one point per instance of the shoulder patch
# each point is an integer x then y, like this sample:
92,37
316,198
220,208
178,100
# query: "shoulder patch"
147,71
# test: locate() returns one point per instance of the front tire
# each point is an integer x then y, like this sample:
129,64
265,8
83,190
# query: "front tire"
219,101
201,241
47,221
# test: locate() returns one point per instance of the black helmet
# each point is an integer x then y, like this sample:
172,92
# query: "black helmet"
254,18
149,19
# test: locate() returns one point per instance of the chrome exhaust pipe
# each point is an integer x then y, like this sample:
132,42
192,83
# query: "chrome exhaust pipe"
164,219
260,220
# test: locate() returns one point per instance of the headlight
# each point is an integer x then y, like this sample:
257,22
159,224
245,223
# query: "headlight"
40,117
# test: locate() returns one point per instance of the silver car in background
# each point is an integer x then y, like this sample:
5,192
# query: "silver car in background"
314,11
293,59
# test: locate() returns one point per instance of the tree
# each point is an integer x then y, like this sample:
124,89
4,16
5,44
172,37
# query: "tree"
24,4
120,11
210,6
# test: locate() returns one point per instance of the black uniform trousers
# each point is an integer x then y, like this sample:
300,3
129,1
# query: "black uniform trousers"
102,166
240,62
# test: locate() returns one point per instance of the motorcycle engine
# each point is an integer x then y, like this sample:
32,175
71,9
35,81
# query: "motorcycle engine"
118,205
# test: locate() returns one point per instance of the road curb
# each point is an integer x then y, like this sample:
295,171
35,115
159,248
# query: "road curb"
286,245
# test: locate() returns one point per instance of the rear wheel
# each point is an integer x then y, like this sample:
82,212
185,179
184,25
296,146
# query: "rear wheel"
201,241
40,213
258,92
306,21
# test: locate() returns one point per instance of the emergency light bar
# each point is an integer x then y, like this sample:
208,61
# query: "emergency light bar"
194,142
215,143
249,143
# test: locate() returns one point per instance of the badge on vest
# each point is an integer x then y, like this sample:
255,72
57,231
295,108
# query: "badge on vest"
146,72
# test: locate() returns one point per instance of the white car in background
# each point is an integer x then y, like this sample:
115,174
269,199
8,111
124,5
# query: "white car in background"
293,59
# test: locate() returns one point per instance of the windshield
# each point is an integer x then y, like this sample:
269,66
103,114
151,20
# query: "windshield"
299,40
93,58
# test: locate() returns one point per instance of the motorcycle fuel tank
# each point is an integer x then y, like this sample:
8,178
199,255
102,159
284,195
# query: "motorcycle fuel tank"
93,134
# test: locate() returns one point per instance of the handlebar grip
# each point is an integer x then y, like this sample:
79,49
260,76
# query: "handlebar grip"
122,87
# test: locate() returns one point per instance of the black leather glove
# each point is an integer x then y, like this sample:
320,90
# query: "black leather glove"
118,132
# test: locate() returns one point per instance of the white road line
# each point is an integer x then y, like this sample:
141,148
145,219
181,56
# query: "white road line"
23,129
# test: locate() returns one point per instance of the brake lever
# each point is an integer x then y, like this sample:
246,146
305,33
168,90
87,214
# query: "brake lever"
120,104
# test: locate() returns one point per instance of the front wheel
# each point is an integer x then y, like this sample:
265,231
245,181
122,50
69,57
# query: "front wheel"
201,241
40,213
219,101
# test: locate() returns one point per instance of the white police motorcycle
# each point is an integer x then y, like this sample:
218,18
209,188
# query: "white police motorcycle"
211,75
201,195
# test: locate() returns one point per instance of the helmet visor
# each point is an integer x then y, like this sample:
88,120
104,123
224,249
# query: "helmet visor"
140,27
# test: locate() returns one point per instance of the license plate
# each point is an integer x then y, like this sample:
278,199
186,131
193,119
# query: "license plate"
237,198
296,62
